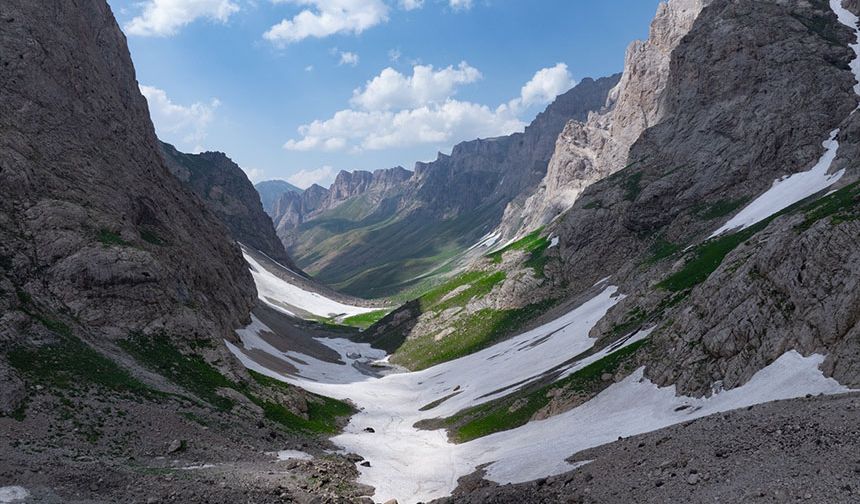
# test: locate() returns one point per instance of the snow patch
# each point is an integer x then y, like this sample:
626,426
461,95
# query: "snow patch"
553,241
850,20
277,293
486,241
788,190
292,455
9,494
635,406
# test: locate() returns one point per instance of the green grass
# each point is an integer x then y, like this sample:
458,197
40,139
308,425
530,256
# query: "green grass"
190,372
70,363
323,412
662,249
529,243
195,375
479,283
707,258
365,320
108,238
839,207
471,334
501,415
720,208
533,244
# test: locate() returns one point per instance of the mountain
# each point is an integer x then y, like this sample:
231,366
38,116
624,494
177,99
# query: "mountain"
726,231
380,243
120,290
227,192
587,151
365,192
271,190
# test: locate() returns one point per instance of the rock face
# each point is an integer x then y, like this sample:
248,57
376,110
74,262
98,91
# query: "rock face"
92,224
373,242
271,190
587,151
228,193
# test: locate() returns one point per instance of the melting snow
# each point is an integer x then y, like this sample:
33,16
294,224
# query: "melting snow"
553,241
292,455
10,494
275,292
414,465
487,241
788,190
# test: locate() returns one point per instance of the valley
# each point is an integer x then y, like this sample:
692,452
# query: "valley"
646,290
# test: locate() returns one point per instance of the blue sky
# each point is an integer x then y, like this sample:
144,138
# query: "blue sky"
300,89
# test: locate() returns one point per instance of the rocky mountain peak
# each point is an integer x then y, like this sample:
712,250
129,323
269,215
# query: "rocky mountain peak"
589,150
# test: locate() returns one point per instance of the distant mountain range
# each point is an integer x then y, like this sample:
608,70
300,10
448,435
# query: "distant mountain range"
377,234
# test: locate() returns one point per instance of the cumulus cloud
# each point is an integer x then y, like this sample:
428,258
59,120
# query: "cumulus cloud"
375,130
327,17
393,90
543,88
348,58
305,178
185,125
394,110
162,18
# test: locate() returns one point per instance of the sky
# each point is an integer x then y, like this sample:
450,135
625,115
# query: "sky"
301,89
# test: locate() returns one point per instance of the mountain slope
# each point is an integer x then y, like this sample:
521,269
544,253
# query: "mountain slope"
715,272
380,245
118,289
271,190
228,193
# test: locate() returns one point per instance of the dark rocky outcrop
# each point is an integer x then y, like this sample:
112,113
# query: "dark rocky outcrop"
228,193
94,230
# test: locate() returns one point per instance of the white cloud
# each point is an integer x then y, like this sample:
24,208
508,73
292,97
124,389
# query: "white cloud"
179,124
394,55
376,130
393,90
306,178
254,174
460,4
411,4
309,68
348,58
395,111
327,17
161,18
544,87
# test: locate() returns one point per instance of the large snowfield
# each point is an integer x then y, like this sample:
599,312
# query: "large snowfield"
415,465
282,295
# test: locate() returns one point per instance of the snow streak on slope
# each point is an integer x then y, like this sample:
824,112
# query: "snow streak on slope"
282,295
789,190
414,465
